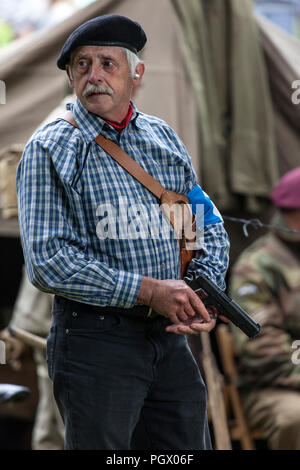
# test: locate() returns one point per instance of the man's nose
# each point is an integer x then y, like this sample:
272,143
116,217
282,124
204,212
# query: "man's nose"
95,75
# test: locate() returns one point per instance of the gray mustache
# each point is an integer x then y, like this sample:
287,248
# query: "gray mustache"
90,89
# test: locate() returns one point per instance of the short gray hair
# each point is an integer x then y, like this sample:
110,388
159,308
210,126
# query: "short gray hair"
132,59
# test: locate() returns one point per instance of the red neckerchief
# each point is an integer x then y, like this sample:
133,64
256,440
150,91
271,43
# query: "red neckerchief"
124,123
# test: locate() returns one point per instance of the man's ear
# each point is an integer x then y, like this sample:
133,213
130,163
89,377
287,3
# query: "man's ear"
71,81
139,72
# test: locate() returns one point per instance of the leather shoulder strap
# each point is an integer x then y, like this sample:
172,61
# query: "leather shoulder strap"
166,197
130,165
123,159
68,116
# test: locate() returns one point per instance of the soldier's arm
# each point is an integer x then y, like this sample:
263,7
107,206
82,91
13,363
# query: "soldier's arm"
267,358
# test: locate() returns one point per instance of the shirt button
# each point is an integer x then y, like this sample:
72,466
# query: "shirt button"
74,314
101,317
131,131
144,198
163,266
121,304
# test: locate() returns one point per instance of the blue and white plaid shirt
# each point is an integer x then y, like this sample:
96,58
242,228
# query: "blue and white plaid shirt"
62,180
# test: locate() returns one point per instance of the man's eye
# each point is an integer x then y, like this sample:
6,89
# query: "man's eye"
82,63
107,63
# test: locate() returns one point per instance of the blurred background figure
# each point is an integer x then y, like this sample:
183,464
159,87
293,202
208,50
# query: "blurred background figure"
32,312
266,282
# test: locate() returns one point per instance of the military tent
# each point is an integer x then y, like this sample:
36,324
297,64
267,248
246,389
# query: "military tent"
216,73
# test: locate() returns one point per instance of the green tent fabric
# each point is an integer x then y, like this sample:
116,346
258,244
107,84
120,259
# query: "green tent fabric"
239,163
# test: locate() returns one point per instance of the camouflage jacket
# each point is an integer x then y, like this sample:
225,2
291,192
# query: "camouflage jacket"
265,281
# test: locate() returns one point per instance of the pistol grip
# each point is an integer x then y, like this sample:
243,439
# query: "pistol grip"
201,294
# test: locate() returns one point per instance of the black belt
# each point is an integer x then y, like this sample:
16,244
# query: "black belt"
138,311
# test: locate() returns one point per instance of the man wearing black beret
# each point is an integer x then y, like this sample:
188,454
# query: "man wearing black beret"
117,350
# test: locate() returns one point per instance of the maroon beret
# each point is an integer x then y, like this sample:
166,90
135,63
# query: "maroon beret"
286,194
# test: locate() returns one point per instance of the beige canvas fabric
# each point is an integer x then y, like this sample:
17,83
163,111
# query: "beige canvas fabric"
35,86
9,160
209,81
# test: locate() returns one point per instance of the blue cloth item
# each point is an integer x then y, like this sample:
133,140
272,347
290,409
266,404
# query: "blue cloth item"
70,191
198,197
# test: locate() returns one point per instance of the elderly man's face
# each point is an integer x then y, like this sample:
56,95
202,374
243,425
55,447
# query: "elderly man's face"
102,82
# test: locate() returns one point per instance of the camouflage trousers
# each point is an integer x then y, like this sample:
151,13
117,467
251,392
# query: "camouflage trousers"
277,413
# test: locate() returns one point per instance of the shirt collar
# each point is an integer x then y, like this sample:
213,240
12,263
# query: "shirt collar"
90,124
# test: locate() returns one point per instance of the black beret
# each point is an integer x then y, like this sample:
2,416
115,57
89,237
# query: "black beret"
106,30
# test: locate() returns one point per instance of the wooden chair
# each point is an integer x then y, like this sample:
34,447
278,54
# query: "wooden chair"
237,425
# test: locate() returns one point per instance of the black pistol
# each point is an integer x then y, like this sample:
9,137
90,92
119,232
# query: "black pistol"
211,295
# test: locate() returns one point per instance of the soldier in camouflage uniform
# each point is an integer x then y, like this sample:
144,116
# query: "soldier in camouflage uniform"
265,281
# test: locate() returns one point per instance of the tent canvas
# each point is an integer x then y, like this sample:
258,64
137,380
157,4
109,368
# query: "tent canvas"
282,56
35,87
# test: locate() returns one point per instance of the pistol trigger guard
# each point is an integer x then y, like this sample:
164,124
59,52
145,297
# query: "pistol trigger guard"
213,311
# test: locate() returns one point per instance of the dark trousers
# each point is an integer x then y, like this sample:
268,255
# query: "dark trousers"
124,383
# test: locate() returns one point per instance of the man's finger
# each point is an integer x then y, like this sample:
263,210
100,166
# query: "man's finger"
190,312
182,316
199,306
224,319
198,327
173,318
192,327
